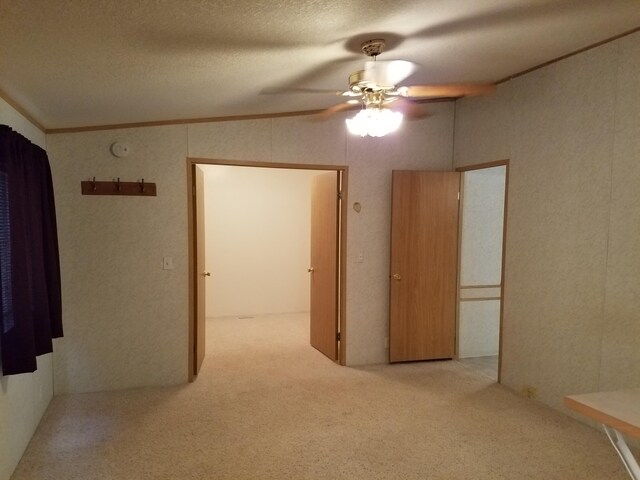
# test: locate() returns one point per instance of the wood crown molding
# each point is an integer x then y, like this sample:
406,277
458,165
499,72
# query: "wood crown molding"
230,118
92,128
22,111
563,57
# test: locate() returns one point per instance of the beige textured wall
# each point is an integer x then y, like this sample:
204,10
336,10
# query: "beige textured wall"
23,398
257,239
620,363
571,131
125,318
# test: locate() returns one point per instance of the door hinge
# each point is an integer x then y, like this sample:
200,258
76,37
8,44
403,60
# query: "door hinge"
338,336
458,196
340,195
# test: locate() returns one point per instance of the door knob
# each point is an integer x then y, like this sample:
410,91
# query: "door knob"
310,270
206,274
396,277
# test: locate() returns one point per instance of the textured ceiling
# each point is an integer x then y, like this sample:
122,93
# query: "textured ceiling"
72,63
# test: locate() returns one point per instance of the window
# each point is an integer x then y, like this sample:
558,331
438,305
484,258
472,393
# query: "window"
30,294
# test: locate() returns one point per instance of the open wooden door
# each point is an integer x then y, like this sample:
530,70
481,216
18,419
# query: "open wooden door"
324,264
424,263
201,274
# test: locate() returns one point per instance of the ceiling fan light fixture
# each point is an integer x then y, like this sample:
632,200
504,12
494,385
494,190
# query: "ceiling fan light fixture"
375,122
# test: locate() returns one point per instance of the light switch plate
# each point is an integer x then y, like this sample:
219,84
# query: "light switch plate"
167,263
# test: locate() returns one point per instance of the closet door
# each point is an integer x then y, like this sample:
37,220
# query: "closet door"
424,260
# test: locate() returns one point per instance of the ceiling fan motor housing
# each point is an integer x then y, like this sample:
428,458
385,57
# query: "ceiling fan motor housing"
359,83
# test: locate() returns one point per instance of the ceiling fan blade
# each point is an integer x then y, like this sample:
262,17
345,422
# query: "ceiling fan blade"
477,19
314,76
446,91
388,73
337,108
410,109
279,90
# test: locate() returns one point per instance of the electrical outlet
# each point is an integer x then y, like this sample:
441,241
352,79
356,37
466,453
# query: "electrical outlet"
529,391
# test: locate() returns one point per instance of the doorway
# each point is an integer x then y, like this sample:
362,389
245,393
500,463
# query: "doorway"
481,267
255,238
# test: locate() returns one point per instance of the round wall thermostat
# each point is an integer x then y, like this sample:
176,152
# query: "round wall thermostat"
119,150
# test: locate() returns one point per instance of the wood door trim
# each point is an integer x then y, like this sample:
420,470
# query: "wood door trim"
504,253
255,164
342,271
192,238
342,274
456,334
200,266
479,166
482,166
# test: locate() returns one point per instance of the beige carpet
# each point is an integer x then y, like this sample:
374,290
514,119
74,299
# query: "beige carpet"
268,406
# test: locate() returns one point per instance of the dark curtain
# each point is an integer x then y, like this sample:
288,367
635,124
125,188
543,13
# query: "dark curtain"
30,296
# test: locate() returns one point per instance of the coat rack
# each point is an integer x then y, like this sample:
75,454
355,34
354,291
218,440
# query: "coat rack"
116,187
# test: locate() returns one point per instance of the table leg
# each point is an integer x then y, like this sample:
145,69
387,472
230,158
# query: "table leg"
617,440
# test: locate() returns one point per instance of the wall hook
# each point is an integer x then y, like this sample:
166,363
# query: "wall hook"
116,187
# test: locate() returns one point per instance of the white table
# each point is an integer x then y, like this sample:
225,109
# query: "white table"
619,413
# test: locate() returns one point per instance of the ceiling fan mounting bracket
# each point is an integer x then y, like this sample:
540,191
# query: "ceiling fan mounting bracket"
374,47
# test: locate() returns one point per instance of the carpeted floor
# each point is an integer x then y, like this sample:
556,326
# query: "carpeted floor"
268,406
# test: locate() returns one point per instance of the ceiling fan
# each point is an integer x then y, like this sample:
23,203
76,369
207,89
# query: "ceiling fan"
377,88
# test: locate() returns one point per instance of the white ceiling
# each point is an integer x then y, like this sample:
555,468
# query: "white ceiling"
73,63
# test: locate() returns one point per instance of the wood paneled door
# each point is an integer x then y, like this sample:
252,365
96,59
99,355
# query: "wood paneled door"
323,271
424,264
